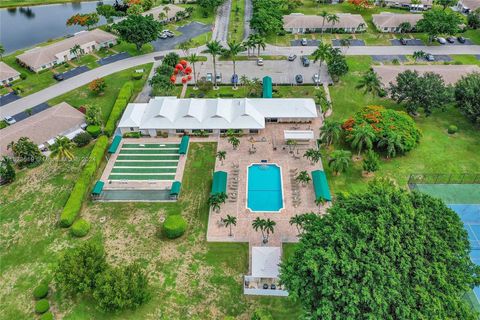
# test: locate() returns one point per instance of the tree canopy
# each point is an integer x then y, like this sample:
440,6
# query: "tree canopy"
26,153
437,21
138,29
467,96
267,17
382,254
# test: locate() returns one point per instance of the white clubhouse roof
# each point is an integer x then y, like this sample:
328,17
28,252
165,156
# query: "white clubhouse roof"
265,261
173,113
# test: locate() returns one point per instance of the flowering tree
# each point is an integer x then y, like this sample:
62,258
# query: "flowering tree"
97,86
83,19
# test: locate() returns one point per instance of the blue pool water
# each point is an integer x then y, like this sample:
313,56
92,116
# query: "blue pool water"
264,188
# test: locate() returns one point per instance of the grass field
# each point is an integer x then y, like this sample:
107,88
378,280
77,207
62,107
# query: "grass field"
235,25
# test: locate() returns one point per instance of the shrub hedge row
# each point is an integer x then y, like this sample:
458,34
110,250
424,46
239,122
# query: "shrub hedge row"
122,100
74,202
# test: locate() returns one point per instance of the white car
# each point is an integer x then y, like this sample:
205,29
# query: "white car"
10,120
316,78
441,40
259,62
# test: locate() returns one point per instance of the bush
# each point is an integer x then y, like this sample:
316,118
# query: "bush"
261,314
137,75
94,131
82,139
74,202
41,291
452,129
371,162
23,75
126,91
174,226
122,99
80,228
42,306
132,135
47,316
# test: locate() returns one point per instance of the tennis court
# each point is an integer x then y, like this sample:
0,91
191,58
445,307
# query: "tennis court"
150,161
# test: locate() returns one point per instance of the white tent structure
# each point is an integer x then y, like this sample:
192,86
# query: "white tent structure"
265,261
298,135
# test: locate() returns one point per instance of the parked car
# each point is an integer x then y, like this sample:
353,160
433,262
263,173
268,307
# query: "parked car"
209,77
305,61
234,78
304,42
163,36
9,120
58,76
429,57
451,39
441,40
218,77
292,57
316,78
461,39
260,62
298,78
403,41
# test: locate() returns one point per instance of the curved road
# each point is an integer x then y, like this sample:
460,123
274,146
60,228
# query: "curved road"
60,88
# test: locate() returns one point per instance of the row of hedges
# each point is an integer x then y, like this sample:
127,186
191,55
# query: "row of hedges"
74,202
122,100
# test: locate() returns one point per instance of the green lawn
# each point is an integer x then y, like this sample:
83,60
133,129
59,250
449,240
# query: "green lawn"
235,26
187,275
84,97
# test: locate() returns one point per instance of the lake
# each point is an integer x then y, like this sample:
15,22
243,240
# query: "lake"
24,27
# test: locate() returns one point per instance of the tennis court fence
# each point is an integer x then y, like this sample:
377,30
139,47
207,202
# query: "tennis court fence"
443,178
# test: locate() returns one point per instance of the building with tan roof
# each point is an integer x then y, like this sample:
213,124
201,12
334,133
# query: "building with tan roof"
450,73
300,23
8,74
59,120
170,13
408,4
41,58
467,6
391,22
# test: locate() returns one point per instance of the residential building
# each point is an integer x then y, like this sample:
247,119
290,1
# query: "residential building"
467,6
42,128
170,13
411,5
300,23
42,58
170,115
8,74
391,22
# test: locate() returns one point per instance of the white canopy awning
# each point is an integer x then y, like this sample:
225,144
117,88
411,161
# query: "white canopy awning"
298,135
265,261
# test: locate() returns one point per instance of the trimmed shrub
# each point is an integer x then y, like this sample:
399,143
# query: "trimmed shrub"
94,131
47,316
115,115
132,135
137,75
42,306
452,129
174,226
74,202
23,75
41,291
126,91
82,139
80,228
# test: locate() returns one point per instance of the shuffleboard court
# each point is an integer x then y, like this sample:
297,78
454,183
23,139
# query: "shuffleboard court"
153,145
148,157
141,177
148,151
146,164
144,170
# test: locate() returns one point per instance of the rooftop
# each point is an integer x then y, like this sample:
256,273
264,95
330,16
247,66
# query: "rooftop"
389,20
7,72
299,20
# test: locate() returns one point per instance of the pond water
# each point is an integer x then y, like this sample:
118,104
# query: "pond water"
25,27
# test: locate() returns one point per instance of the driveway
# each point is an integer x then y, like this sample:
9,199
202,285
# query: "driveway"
36,109
188,31
389,58
74,72
248,16
310,43
7,98
220,29
353,43
410,42
114,57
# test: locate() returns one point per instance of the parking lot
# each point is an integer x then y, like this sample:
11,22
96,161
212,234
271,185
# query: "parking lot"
281,71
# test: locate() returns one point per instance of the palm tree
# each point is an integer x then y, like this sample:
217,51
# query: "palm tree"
221,156
330,131
166,9
62,148
75,50
259,41
405,27
345,43
362,136
419,55
268,226
234,141
339,161
321,54
303,177
324,15
333,18
392,143
322,101
234,48
193,58
216,200
250,44
370,83
229,222
313,155
214,48
259,224
320,201
162,16
297,220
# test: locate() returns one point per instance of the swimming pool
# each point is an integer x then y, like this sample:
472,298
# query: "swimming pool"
264,191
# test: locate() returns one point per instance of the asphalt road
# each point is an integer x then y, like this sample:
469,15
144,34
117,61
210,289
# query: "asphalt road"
220,30
248,16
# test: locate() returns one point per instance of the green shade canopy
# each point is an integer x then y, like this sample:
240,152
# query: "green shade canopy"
320,185
267,87
184,145
115,143
219,184
175,190
97,189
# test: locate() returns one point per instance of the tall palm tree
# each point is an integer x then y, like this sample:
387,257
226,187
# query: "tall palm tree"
166,9
419,55
162,16
392,143
333,18
259,42
303,178
229,222
259,224
313,155
62,148
292,144
297,220
330,131
234,48
324,15
370,83
339,161
75,50
221,156
216,200
321,54
193,58
234,141
214,48
269,227
362,136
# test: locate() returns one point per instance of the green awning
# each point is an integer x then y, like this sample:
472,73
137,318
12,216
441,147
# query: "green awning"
320,185
97,189
175,190
267,87
114,146
184,145
219,184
